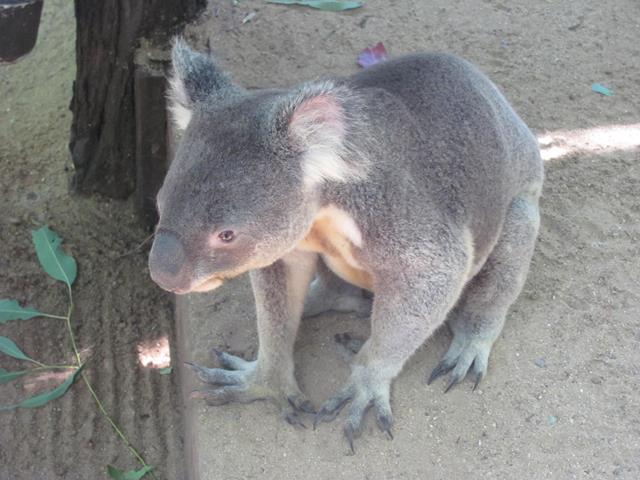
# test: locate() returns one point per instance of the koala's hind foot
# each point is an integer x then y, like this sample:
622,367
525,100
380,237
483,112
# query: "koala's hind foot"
478,318
351,345
328,292
240,381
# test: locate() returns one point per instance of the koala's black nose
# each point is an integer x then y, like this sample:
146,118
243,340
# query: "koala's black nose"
167,260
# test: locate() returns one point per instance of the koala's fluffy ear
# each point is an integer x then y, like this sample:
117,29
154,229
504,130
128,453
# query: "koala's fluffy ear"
195,78
318,124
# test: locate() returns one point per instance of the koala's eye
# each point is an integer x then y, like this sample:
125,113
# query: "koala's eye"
227,236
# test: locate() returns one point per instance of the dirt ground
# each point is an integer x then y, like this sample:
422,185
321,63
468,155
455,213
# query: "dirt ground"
562,398
118,308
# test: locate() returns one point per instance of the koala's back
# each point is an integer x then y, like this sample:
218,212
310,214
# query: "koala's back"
449,139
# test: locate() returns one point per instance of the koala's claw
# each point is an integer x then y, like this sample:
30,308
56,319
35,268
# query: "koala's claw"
477,380
459,359
331,409
351,344
216,376
348,433
454,380
441,369
230,362
304,406
293,418
353,427
385,422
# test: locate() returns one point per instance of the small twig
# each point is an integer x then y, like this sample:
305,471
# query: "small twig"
71,335
41,365
113,424
136,249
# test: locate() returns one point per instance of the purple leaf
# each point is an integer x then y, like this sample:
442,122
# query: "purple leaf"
372,55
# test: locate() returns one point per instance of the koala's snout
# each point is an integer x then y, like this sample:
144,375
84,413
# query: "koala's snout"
167,262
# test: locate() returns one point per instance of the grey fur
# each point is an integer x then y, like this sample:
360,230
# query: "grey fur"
441,179
328,292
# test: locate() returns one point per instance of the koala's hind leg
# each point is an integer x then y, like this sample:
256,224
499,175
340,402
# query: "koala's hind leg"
328,292
279,291
478,318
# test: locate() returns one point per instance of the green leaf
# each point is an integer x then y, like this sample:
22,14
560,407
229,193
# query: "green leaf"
601,89
8,347
130,475
6,377
11,310
46,397
165,371
327,5
53,259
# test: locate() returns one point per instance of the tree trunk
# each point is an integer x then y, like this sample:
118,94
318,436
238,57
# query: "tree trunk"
103,136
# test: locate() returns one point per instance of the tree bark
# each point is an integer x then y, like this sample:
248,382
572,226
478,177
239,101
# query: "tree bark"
103,136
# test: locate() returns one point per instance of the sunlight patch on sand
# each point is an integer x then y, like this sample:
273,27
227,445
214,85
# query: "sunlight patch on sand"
609,138
155,353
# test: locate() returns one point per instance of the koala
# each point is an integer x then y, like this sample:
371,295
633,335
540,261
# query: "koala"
413,179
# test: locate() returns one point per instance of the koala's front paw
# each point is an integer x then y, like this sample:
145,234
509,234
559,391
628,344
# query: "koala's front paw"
240,381
364,390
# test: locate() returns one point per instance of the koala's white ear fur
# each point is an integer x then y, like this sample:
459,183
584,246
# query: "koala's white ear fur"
195,78
319,125
178,104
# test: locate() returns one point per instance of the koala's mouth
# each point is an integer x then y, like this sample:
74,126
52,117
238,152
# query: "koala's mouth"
210,284
214,281
206,286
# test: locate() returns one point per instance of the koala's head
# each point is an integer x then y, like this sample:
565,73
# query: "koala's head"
246,179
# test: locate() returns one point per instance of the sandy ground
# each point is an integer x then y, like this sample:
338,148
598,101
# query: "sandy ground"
118,308
562,396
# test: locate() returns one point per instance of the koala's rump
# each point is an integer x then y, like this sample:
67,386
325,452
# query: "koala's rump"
452,144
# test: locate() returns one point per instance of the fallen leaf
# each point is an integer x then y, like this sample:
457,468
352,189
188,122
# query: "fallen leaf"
8,347
601,89
372,55
118,474
46,397
55,261
327,5
11,310
250,16
6,377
